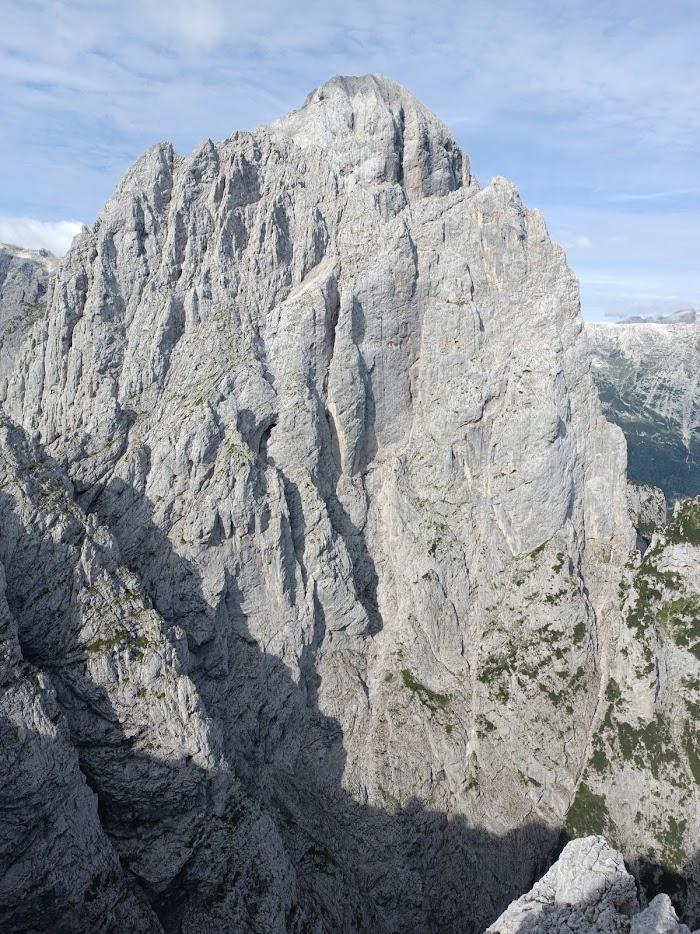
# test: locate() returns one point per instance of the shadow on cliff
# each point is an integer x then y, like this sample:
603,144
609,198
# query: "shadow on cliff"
358,867
353,867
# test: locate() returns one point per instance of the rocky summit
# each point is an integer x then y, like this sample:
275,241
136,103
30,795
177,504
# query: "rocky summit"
321,605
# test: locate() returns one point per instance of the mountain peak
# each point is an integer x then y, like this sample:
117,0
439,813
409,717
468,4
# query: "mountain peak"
378,131
370,85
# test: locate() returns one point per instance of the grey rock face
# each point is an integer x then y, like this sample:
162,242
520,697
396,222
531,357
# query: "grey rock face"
94,692
329,525
588,890
59,867
648,375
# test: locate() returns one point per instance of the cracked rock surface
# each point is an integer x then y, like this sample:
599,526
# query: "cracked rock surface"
587,891
313,531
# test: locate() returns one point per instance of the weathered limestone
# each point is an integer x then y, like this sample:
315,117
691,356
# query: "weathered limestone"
312,518
588,890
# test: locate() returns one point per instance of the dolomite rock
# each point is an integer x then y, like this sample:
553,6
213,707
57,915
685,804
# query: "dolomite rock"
57,864
112,706
333,478
589,891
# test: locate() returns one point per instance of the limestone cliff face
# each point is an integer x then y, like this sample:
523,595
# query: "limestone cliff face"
338,532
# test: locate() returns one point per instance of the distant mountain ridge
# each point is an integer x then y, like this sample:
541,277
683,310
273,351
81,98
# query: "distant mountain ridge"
682,316
24,278
648,376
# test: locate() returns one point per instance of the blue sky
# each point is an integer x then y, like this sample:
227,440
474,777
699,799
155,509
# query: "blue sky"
591,108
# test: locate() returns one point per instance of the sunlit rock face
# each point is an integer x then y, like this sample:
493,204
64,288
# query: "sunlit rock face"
588,890
312,529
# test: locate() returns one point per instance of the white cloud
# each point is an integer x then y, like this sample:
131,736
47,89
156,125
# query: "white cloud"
590,107
668,238
197,24
55,236
657,195
626,72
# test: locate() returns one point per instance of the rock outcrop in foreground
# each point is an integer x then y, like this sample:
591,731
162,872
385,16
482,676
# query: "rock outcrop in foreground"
589,891
312,532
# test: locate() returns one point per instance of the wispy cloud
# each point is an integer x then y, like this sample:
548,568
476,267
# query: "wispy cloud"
573,241
627,69
585,105
55,236
656,195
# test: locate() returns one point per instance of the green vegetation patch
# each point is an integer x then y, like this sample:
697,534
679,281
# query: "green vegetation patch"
588,814
109,642
690,741
671,838
434,700
579,632
681,619
555,598
484,725
650,587
612,691
524,661
649,746
29,315
685,525
536,552
566,694
120,638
